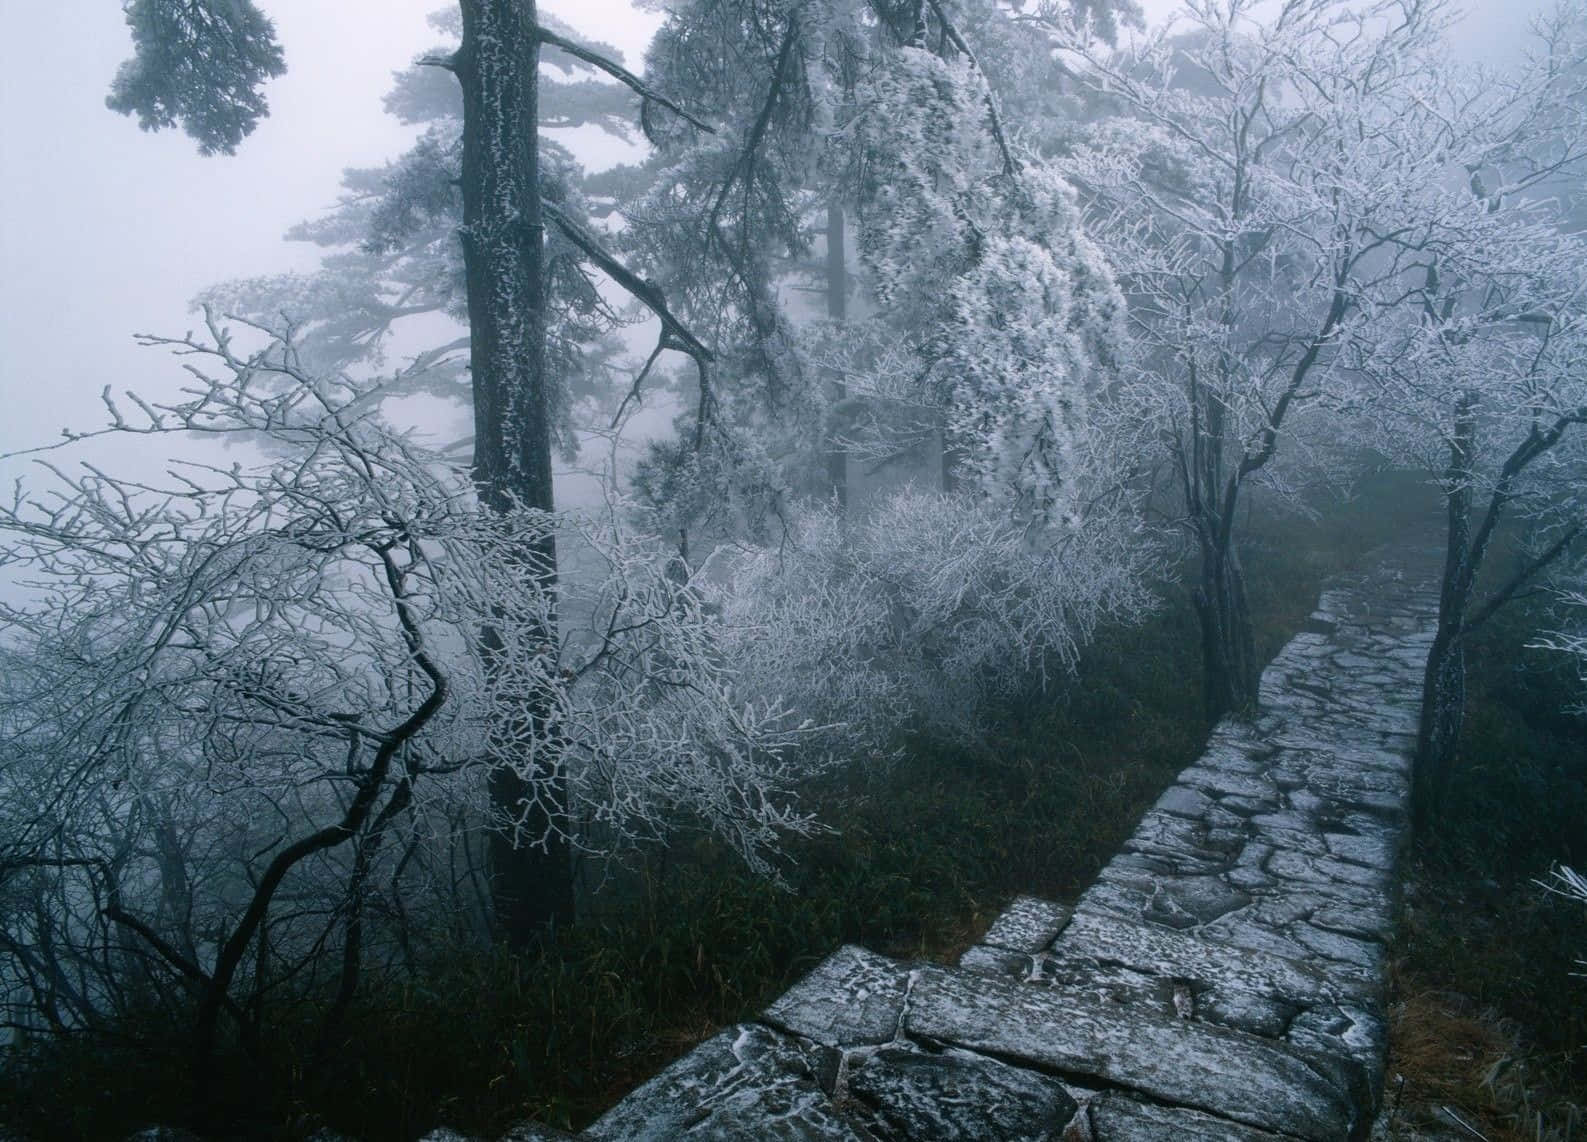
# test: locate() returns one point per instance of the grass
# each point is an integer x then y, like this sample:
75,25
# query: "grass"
927,851
1490,1015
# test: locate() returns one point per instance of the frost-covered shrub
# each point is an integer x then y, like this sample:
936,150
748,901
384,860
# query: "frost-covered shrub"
1566,882
925,610
1570,635
1004,311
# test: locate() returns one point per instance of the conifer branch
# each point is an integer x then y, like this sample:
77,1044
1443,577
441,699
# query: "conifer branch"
621,74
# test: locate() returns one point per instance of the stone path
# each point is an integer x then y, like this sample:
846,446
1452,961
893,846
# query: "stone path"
1222,979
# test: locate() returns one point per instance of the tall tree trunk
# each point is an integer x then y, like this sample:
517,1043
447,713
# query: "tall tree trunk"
1230,673
837,310
503,240
1444,680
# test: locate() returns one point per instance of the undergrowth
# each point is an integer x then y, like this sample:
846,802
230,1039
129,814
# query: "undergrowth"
1490,1018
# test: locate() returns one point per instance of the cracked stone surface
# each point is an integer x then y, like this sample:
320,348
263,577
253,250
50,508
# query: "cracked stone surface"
747,1082
1221,980
1117,1118
1250,1079
957,1096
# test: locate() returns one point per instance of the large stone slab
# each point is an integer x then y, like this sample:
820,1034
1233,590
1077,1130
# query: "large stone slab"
1027,925
853,998
1117,1118
747,1082
957,1096
1237,1076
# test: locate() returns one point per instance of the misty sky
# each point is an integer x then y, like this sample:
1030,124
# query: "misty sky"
106,231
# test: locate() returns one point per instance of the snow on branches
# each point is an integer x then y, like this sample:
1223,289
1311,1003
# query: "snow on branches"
278,658
924,610
983,271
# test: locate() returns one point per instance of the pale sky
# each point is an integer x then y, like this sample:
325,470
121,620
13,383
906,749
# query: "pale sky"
106,231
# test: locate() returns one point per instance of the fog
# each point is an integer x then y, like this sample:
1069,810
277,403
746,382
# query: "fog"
106,230
1041,414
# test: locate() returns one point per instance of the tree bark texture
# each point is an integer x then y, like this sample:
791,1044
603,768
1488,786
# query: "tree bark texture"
837,310
1444,681
503,242
1230,672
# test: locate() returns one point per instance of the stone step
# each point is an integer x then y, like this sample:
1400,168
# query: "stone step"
1273,1086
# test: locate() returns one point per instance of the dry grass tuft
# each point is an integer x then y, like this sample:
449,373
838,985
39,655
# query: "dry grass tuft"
1458,1071
1444,1049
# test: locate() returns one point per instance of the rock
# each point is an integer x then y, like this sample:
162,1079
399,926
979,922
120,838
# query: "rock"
1184,801
1356,1031
1027,925
1253,991
854,997
534,1132
1186,901
956,1095
747,1082
1377,852
1252,1081
997,961
1116,1118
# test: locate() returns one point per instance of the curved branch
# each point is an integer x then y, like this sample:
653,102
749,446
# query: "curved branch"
620,73
1010,165
646,293
331,835
757,130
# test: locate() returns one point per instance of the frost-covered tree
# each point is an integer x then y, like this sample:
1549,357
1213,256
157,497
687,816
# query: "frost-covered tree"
927,609
1002,313
393,265
815,103
1477,366
1259,190
982,323
200,64
504,222
246,704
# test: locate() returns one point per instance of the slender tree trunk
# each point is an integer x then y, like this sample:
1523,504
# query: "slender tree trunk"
1444,679
837,310
1443,710
1230,673
503,237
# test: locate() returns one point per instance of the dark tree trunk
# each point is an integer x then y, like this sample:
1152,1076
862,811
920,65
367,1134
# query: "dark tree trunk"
1444,679
1466,546
1230,672
531,868
1443,711
837,310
